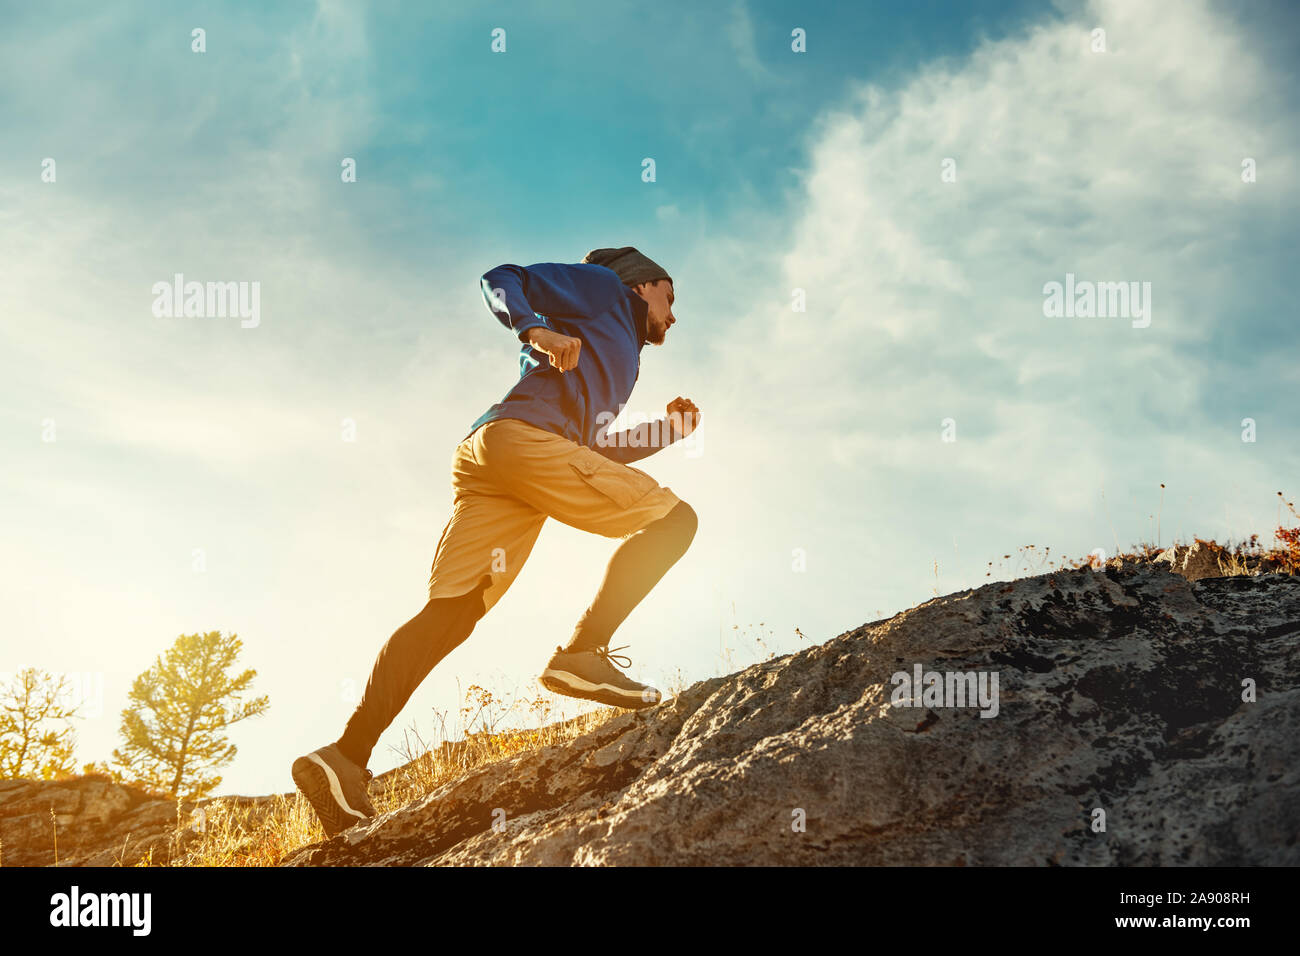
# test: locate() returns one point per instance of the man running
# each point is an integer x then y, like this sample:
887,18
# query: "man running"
542,451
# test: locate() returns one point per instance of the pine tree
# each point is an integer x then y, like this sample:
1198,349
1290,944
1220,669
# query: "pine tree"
178,710
29,746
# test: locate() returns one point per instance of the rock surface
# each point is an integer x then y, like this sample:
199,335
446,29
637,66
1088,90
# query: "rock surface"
1120,691
1194,562
97,823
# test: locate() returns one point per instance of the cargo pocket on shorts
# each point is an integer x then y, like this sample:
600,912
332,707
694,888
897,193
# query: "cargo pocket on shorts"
622,484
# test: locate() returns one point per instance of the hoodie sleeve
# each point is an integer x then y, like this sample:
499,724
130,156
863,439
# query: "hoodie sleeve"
521,297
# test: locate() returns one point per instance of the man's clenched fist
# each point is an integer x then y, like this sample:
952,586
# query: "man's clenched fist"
684,416
561,349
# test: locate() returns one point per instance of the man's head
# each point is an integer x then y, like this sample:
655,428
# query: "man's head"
659,299
647,279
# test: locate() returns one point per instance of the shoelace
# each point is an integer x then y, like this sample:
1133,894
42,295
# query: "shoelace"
607,654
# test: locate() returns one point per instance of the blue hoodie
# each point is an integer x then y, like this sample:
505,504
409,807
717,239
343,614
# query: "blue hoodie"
591,303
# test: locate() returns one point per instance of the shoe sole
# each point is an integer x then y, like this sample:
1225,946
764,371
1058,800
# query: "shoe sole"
320,785
571,685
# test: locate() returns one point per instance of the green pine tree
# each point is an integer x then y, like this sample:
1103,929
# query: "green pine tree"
179,708
30,747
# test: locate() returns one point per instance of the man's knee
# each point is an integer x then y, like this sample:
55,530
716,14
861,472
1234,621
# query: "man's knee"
685,520
467,608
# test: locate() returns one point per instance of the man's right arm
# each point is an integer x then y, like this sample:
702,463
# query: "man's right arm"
520,297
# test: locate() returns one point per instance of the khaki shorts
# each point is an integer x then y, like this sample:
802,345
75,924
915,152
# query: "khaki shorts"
507,478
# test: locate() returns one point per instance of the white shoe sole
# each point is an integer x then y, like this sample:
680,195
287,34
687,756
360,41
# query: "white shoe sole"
562,682
333,811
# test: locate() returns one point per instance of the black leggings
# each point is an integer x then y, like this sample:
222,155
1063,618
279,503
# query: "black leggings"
418,645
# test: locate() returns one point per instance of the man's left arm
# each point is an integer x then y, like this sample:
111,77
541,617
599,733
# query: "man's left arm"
645,439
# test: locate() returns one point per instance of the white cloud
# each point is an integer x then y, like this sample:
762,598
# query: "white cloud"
924,297
740,32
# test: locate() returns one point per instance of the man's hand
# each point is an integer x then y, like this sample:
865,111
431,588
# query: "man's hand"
562,349
684,417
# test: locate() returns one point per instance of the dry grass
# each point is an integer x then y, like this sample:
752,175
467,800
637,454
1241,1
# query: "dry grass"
235,832
1246,557
487,727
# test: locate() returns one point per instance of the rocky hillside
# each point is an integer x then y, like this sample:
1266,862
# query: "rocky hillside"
1118,691
1118,702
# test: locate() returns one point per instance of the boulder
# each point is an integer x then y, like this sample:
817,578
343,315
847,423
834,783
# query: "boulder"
98,822
1194,562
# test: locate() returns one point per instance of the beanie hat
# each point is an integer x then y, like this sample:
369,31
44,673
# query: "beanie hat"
632,267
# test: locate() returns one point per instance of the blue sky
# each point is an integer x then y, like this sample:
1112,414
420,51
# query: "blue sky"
775,171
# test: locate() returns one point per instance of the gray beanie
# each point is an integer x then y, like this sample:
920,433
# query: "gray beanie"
632,267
